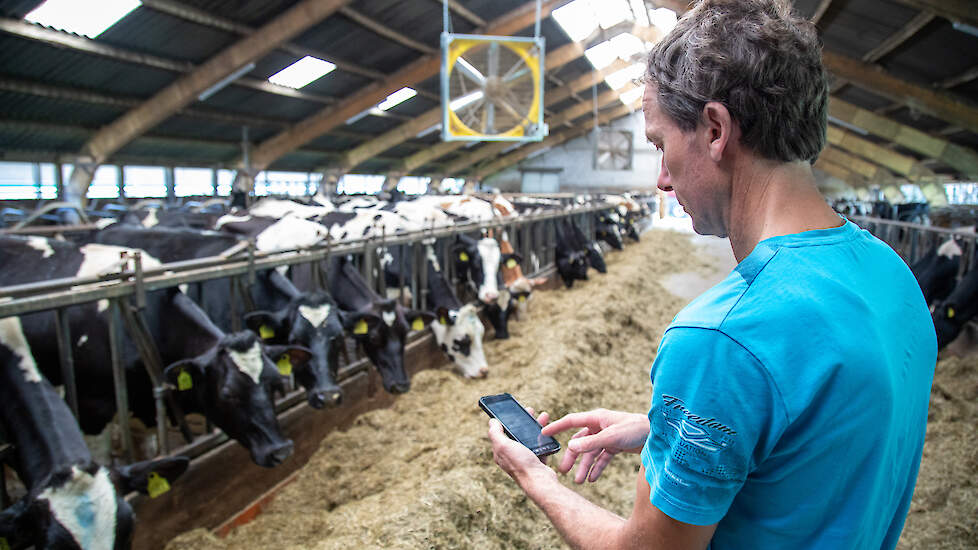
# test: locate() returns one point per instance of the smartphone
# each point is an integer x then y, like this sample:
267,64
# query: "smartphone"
518,424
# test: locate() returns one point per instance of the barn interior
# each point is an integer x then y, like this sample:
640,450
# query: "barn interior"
118,112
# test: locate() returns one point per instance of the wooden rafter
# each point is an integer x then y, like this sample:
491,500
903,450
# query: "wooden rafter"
820,10
427,66
960,11
386,32
891,160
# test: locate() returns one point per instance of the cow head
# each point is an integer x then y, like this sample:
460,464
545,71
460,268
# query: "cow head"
609,232
573,267
459,334
382,331
233,384
499,311
595,257
84,506
522,292
479,260
311,324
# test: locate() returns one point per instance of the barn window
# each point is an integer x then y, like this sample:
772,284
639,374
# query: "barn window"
144,182
193,182
413,185
351,184
225,180
17,180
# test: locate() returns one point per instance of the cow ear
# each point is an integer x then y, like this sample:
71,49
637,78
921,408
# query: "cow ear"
184,375
418,319
151,477
296,355
513,257
360,322
267,325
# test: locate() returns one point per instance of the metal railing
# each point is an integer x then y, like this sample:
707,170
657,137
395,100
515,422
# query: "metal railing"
912,241
126,289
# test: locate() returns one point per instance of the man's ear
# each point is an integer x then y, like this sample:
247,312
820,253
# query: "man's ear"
719,125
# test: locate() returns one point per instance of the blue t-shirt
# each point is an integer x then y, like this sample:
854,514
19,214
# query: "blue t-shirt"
789,402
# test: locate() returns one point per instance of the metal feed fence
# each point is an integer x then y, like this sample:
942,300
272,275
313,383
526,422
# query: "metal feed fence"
912,241
532,236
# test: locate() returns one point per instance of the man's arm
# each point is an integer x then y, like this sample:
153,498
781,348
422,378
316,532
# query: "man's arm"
587,526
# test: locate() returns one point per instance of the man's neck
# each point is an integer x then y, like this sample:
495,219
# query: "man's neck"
770,199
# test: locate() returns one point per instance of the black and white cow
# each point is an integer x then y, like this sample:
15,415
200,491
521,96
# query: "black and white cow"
572,263
284,316
380,326
937,271
951,316
457,328
72,503
609,230
477,264
225,376
594,255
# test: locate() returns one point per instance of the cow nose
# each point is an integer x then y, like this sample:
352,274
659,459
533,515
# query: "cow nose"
483,372
490,296
282,452
317,400
400,387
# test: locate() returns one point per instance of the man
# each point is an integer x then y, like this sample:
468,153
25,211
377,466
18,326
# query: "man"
789,402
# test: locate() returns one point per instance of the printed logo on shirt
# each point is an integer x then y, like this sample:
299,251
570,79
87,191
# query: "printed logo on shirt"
693,428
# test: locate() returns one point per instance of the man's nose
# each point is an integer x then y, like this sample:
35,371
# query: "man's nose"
664,182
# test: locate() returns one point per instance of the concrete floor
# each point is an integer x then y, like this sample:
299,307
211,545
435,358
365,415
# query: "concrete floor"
716,251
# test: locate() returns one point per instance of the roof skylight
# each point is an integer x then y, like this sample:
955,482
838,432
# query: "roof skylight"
602,55
612,12
641,12
87,18
618,79
627,45
664,18
630,96
577,19
396,98
302,72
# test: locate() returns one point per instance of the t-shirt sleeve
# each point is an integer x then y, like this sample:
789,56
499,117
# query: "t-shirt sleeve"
715,416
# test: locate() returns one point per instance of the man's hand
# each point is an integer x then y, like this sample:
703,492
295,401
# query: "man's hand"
512,456
603,434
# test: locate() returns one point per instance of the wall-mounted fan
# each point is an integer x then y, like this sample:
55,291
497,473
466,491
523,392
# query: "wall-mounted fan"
613,150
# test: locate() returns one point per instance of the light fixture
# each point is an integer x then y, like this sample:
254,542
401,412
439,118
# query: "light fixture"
577,19
396,98
302,72
88,18
601,55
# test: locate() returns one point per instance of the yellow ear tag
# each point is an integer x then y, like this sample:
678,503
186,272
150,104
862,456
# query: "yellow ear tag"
266,332
522,299
511,263
463,256
950,313
284,365
417,324
157,485
3,544
443,320
360,327
184,381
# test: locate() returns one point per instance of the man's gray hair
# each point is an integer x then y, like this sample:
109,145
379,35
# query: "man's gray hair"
763,63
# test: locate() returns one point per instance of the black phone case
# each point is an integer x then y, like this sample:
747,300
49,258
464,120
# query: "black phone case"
539,451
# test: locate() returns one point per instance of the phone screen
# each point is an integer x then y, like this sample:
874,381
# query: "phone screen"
519,423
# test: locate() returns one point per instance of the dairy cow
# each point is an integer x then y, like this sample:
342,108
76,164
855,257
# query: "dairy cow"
457,328
308,322
937,270
960,307
477,266
225,376
519,286
609,230
572,263
580,242
380,326
72,503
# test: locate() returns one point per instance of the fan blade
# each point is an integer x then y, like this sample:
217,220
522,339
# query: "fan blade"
470,71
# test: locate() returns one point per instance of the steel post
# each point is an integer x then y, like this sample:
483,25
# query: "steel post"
63,334
119,379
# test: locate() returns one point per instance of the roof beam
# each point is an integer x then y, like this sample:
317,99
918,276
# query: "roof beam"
841,172
74,42
820,10
386,31
206,19
935,103
961,11
896,39
551,141
425,67
583,82
869,170
185,90
464,12
960,158
957,80
889,159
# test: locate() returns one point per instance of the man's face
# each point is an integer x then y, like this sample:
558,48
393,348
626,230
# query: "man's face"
686,167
